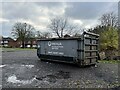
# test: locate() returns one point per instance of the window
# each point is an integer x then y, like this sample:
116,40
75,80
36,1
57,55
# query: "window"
34,46
20,45
5,41
28,46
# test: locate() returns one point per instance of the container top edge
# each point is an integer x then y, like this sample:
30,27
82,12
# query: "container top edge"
47,39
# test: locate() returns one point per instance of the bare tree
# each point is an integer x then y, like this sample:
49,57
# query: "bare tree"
43,34
109,19
38,34
61,26
23,31
46,35
76,35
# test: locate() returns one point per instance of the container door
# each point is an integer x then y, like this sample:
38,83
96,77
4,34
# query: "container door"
90,48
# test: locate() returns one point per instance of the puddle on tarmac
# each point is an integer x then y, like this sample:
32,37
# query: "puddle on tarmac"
1,66
53,77
29,66
13,79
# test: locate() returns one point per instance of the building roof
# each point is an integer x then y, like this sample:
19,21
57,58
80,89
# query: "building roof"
6,38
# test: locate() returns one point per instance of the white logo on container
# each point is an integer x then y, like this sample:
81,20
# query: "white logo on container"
49,43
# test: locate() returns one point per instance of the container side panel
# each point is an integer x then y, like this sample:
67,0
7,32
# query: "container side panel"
59,48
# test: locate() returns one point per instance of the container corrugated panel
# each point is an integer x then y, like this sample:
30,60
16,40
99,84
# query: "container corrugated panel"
82,51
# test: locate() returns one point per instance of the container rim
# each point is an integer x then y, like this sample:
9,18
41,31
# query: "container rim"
70,38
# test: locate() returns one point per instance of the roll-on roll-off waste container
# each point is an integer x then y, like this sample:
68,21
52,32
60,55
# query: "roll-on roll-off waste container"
81,51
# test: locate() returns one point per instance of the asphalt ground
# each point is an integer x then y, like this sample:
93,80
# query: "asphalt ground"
23,69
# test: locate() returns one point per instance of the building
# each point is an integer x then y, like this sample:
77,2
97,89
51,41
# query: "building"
9,42
31,43
0,41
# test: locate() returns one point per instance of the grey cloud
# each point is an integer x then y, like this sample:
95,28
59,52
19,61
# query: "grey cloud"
49,4
6,28
32,11
86,10
18,10
27,10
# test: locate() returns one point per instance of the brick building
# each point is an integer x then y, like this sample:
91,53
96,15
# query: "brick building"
9,42
31,43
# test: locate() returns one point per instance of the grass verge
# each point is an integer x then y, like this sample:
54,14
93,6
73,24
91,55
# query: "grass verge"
16,49
109,61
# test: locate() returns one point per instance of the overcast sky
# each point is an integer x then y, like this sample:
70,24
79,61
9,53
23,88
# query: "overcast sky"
85,14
